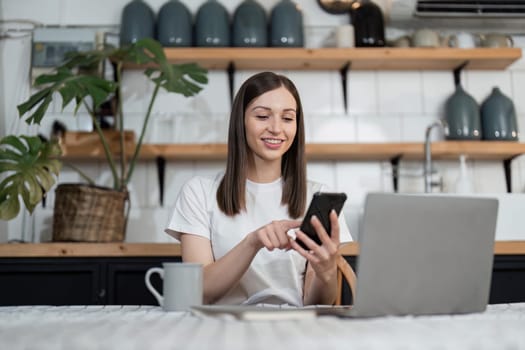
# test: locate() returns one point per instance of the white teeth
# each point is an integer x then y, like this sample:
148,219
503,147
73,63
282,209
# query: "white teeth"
273,141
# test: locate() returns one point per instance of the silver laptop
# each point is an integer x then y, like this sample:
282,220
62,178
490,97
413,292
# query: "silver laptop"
424,254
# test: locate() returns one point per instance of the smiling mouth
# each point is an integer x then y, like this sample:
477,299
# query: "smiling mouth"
273,141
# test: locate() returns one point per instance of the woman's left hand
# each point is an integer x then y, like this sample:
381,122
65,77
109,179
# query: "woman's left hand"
322,258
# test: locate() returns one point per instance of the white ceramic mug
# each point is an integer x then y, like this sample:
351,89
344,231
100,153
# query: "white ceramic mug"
344,36
402,41
426,38
466,40
495,40
449,41
182,285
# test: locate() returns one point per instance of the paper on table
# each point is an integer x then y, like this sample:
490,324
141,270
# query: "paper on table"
255,313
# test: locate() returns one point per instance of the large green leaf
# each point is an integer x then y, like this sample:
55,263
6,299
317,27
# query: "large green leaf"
143,51
88,60
186,79
70,84
30,167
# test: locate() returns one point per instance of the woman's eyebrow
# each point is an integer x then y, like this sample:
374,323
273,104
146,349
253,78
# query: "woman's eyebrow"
262,107
269,109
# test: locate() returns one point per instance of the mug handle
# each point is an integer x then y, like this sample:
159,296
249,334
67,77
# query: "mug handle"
478,39
452,41
150,287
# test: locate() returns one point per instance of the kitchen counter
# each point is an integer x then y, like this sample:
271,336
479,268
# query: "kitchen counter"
113,273
30,250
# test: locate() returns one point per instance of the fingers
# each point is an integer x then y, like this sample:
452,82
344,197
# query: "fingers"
274,235
334,222
322,257
312,247
332,243
310,255
289,224
277,235
308,242
264,239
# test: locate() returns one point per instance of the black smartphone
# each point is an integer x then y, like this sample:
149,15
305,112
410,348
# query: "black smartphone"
321,205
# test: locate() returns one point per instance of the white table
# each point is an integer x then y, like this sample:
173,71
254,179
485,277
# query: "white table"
148,327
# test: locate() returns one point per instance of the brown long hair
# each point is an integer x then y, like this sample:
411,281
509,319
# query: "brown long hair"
231,191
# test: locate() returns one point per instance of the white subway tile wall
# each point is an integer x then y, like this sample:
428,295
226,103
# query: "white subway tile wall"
362,92
378,128
518,83
383,106
330,128
399,92
437,86
479,84
413,127
518,172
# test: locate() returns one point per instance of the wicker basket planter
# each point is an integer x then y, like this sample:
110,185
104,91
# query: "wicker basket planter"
84,213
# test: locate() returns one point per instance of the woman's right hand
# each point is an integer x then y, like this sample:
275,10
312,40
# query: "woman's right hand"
273,235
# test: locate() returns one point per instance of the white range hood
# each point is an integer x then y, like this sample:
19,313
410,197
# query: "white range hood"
482,15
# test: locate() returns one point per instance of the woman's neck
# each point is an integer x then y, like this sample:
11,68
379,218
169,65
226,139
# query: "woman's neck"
264,172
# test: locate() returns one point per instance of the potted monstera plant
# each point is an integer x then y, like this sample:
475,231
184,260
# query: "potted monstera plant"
29,166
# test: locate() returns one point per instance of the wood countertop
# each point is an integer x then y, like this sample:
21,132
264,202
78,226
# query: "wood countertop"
72,250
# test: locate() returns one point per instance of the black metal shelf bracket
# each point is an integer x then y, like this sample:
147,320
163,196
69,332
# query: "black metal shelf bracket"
161,171
344,82
457,73
231,79
395,171
507,167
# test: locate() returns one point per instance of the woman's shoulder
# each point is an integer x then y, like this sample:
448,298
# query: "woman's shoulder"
203,184
204,180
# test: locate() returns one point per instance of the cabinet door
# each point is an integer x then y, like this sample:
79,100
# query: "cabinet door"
508,279
125,280
50,282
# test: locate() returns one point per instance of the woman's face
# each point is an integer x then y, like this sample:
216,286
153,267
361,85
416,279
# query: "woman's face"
270,123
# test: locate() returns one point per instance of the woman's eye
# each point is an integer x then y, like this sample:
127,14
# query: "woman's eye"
288,118
262,117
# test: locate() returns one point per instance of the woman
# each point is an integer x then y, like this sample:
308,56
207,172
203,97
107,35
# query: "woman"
237,224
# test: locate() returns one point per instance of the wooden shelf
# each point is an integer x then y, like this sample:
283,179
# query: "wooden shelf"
27,250
415,151
482,150
338,58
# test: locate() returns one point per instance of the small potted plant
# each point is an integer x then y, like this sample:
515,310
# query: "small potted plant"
29,167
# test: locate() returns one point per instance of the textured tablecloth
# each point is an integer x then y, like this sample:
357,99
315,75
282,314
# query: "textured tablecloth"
147,327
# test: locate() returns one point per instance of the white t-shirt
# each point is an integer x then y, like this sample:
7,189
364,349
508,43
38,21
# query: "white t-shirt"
275,277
